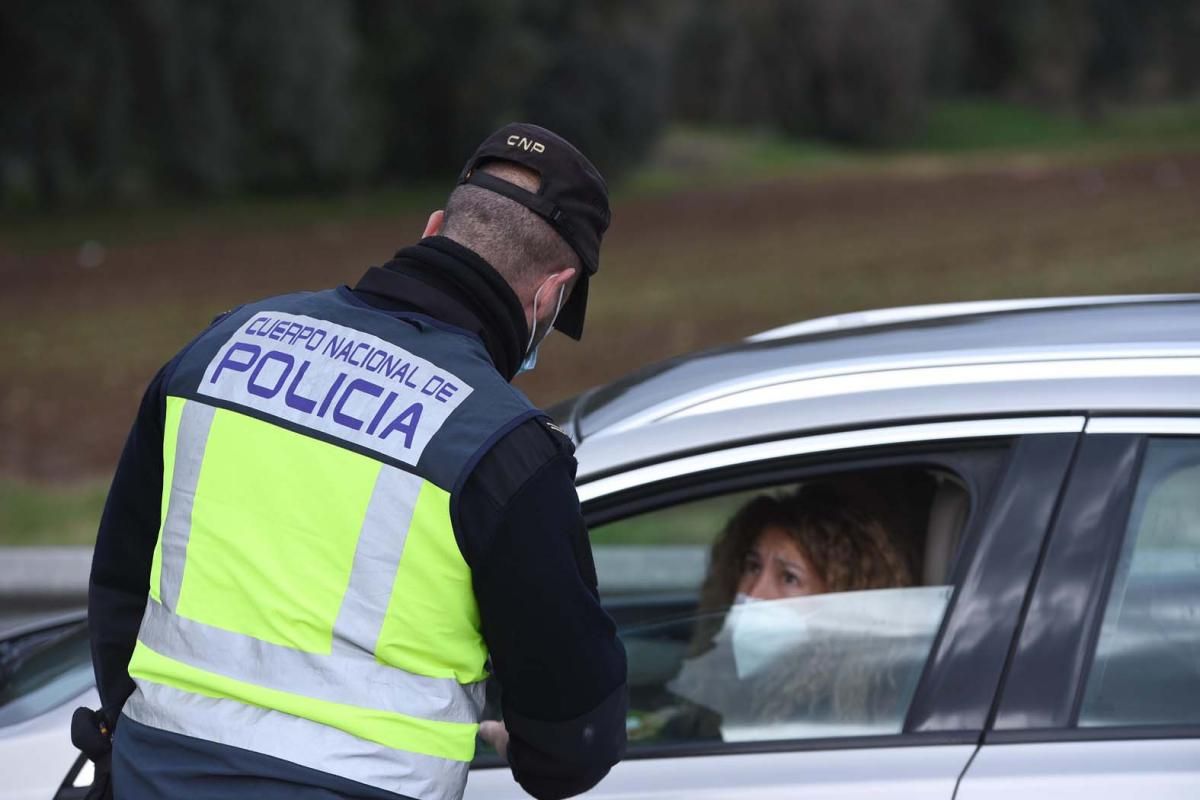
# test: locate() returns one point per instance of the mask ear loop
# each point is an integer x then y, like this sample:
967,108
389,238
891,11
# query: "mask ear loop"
557,309
533,327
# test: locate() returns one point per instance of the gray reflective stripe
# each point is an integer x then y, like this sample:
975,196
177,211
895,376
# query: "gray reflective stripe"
297,740
376,561
354,679
194,423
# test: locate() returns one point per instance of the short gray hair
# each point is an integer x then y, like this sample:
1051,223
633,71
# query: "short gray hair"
521,245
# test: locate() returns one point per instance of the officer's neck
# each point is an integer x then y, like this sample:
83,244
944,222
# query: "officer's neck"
451,283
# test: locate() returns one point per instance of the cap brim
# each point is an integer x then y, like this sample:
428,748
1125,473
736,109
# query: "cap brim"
570,319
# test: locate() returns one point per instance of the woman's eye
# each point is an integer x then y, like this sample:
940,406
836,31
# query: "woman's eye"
791,579
750,567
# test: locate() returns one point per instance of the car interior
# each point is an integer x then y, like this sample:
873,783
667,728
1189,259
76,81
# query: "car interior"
924,507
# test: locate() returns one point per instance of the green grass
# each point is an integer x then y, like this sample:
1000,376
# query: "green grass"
956,132
40,514
690,157
972,126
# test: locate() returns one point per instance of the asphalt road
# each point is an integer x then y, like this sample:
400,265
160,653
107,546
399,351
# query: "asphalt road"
40,582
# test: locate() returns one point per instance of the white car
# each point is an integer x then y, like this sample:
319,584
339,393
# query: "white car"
1040,461
45,674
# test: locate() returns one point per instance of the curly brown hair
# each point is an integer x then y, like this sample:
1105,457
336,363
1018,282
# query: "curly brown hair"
849,547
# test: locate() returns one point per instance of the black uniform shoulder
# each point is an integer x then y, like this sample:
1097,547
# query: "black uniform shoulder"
517,457
558,434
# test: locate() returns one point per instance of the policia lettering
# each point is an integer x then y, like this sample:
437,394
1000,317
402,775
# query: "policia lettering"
322,615
337,380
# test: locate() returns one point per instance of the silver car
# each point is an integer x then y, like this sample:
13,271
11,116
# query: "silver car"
1038,466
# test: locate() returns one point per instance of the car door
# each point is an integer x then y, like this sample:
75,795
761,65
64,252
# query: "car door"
910,671
1103,696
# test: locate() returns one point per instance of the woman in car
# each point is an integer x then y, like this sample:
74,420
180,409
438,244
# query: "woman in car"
807,542
810,541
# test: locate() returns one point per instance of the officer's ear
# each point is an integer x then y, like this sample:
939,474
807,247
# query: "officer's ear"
434,224
561,278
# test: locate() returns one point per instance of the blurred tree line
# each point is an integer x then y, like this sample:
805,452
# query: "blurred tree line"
863,71
134,99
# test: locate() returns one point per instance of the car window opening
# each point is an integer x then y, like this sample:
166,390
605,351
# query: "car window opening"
1146,669
798,610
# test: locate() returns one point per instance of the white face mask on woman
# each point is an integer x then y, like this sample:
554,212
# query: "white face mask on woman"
531,349
762,631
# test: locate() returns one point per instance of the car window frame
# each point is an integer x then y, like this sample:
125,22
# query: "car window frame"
1046,682
1037,442
965,459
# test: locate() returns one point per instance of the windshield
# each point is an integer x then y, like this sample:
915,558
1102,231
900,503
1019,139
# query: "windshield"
42,670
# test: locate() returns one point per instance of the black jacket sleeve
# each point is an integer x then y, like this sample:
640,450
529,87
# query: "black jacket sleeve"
120,577
554,650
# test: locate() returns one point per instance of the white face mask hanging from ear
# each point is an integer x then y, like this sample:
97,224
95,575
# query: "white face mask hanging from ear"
531,349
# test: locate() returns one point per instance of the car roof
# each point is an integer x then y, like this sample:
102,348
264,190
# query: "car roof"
844,355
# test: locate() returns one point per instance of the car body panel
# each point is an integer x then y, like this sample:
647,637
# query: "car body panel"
1051,658
890,316
826,443
966,666
1163,769
601,455
1169,325
927,772
35,755
1040,746
1165,426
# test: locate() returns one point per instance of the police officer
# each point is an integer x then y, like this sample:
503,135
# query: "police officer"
334,518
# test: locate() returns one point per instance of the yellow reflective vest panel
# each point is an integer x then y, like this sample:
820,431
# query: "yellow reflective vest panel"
308,599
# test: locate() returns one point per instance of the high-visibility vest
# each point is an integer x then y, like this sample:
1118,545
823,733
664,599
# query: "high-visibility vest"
308,600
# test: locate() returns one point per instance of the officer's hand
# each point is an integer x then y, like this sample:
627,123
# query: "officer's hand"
495,734
91,733
102,782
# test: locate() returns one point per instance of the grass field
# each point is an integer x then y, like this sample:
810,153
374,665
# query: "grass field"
36,513
722,235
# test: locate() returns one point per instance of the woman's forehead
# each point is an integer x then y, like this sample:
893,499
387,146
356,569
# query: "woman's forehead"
776,542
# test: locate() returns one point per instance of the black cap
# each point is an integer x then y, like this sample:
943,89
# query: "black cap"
572,197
